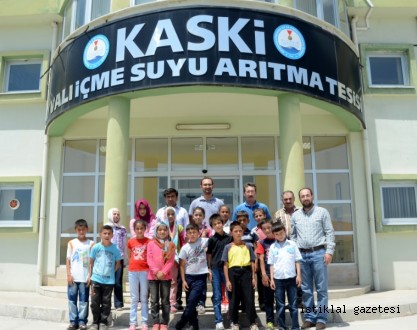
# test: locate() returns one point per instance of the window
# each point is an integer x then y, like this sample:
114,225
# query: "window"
80,12
331,11
19,204
399,203
140,2
387,69
22,75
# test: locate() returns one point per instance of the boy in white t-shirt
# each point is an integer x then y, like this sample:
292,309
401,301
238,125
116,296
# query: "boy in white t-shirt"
78,262
194,270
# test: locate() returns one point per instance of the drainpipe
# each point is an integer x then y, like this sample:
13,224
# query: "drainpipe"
368,172
44,183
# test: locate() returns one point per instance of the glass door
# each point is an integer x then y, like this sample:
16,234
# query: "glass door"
225,188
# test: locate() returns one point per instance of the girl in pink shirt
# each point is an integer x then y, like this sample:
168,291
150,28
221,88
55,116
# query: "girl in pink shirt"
160,256
138,274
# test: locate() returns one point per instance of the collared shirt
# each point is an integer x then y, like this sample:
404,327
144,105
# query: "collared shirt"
283,216
250,208
313,228
283,256
210,207
181,215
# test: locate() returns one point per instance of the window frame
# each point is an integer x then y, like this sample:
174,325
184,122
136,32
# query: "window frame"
30,226
30,55
407,52
397,184
386,54
383,180
9,63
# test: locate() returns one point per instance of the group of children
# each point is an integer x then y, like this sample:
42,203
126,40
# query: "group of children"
228,254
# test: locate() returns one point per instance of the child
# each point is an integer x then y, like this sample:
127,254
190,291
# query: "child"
193,266
176,237
104,261
215,247
284,259
250,238
224,212
239,271
160,257
262,251
138,274
119,239
143,212
259,215
78,262
198,218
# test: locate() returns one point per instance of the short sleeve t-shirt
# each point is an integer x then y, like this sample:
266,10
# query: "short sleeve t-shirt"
263,248
105,258
195,257
241,255
78,253
138,251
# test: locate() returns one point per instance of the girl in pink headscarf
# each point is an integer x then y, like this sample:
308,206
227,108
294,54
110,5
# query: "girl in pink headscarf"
143,212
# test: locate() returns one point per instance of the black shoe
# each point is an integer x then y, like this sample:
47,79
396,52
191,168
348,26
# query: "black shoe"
262,307
179,307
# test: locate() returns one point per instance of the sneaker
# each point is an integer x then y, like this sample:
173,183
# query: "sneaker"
220,326
119,309
155,326
173,310
144,327
308,324
254,327
139,306
94,326
72,326
234,327
103,326
179,307
269,326
163,327
320,326
132,327
200,309
82,326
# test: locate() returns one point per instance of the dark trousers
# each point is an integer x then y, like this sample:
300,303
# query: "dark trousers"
260,287
118,286
160,300
242,289
197,285
269,303
101,302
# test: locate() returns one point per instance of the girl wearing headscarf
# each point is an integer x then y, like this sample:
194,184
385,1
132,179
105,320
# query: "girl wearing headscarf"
143,212
176,233
160,257
119,239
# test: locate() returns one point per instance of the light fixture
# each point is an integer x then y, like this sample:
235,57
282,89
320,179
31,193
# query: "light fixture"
197,127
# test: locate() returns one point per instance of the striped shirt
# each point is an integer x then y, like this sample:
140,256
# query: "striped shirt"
285,218
313,228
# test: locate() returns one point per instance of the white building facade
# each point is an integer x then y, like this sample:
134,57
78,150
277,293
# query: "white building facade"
106,102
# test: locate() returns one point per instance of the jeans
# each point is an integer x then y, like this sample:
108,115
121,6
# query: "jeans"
160,300
218,280
80,291
118,286
241,279
138,282
314,274
288,286
197,285
101,302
